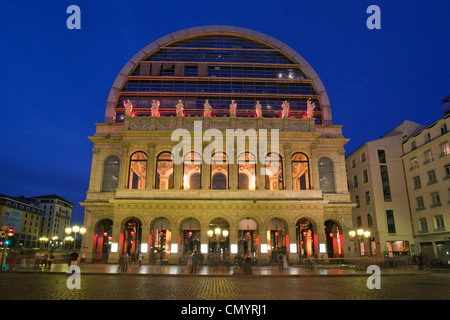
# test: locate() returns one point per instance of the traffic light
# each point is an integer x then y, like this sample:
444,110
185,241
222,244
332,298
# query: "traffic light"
10,232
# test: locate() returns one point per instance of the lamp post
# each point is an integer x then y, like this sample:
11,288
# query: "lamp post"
43,240
362,234
75,230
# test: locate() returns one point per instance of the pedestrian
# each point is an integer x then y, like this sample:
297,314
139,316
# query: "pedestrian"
420,258
285,264
83,257
50,258
201,257
280,260
141,257
195,260
125,261
247,267
3,256
44,258
189,263
37,259
121,262
12,260
73,258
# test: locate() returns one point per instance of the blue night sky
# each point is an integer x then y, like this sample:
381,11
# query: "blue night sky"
56,81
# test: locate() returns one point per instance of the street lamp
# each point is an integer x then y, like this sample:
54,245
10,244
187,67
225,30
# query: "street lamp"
43,240
75,230
362,234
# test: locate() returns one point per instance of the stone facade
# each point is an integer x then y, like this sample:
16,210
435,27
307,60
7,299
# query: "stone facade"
232,205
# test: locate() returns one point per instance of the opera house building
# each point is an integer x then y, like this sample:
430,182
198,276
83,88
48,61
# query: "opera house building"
220,140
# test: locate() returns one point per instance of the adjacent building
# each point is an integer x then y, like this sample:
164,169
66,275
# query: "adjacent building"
24,216
376,182
262,167
426,161
401,186
56,215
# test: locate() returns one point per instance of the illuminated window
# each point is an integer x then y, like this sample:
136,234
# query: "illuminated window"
300,172
138,170
445,149
274,172
110,179
192,171
164,171
219,171
326,175
246,171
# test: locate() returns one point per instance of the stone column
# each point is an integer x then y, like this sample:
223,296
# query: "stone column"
260,178
150,178
321,239
88,240
287,167
233,176
292,233
178,176
116,238
173,257
145,238
124,162
263,257
206,175
234,237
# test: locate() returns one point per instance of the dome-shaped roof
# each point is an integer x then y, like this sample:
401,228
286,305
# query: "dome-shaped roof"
219,64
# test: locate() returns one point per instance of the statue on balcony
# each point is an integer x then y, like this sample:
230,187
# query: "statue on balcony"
128,108
233,107
207,110
258,111
310,108
285,111
155,108
180,109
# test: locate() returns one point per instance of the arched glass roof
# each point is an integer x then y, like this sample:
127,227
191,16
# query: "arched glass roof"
218,64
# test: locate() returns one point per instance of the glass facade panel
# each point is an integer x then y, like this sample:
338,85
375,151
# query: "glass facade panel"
219,68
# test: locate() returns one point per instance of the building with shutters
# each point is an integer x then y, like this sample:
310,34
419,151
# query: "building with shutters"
262,167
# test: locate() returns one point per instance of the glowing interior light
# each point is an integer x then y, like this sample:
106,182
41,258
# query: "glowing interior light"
186,182
252,183
263,248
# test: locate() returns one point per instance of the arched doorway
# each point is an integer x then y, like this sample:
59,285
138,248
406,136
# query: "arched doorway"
219,240
306,244
132,233
102,240
276,237
335,240
219,171
190,236
247,236
161,238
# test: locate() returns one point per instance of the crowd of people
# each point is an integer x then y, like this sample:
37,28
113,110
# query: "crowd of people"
125,258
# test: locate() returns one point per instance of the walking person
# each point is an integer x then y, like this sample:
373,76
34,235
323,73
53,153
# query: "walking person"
73,258
280,260
285,263
189,263
194,262
37,259
420,260
50,258
141,257
121,262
